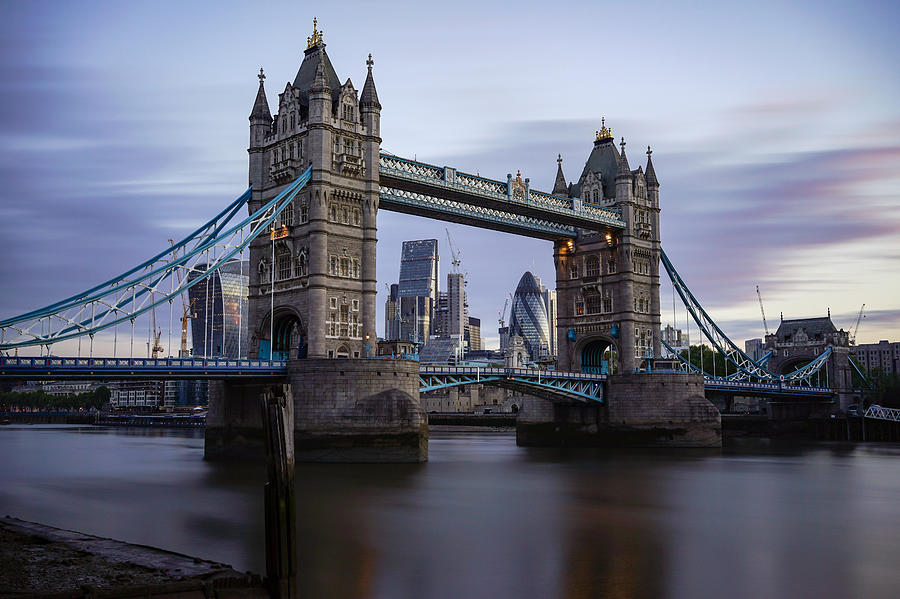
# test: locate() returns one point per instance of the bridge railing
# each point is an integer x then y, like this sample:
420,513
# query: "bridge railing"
880,413
53,362
499,371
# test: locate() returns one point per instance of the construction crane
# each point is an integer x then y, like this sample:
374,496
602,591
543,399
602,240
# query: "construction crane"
856,326
157,333
453,252
185,318
762,311
188,310
502,313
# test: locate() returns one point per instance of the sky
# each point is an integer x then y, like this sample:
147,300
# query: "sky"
775,129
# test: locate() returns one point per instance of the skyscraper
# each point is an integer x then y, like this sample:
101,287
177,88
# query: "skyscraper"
418,289
220,305
392,314
528,317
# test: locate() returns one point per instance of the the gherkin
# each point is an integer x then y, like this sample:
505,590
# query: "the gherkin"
529,317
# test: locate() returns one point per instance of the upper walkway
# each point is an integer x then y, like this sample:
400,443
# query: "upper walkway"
510,206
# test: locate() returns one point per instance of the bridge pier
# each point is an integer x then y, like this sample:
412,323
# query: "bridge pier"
352,410
646,410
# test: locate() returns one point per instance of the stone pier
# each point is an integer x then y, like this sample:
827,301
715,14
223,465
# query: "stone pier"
351,410
644,410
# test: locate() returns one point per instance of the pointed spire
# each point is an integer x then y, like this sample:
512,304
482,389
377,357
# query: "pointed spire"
261,106
320,80
559,187
369,96
624,169
650,176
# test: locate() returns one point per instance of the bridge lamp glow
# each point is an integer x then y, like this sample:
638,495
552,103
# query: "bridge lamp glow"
570,245
609,239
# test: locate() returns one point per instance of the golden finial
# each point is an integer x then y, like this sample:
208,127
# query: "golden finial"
518,175
605,132
316,37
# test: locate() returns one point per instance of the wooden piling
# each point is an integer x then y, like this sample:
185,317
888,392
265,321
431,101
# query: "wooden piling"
280,505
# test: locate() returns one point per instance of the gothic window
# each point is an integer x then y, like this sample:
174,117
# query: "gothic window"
345,267
348,146
333,304
282,263
592,304
607,302
345,215
332,213
355,305
579,308
293,123
283,124
301,264
592,267
287,217
334,266
356,217
355,269
610,267
304,213
573,270
594,196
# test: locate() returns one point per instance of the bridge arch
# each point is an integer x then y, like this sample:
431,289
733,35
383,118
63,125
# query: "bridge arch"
597,354
289,340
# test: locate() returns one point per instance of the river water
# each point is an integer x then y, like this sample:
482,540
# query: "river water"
484,518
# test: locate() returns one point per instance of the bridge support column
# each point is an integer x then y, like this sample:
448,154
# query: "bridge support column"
344,411
647,410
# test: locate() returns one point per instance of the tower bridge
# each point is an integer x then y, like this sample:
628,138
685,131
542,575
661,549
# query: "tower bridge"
318,178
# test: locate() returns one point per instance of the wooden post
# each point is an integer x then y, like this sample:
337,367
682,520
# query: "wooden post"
280,505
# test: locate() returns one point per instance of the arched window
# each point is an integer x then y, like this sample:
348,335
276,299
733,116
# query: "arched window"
287,216
592,304
592,267
332,213
301,264
282,263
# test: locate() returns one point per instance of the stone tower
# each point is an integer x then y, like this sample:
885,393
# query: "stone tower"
321,257
608,285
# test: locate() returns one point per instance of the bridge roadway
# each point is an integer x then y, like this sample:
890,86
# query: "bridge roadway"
550,384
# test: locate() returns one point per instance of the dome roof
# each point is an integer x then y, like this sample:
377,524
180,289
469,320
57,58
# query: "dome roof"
528,284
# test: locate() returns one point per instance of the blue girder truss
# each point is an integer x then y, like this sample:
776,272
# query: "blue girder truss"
747,369
577,386
447,194
159,280
55,367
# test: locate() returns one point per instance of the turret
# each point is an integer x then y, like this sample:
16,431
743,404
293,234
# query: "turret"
320,92
559,187
623,177
652,182
260,125
369,106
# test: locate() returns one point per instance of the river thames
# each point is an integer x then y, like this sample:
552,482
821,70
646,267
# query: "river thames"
485,518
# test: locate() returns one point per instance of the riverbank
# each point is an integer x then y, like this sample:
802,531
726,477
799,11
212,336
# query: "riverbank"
42,561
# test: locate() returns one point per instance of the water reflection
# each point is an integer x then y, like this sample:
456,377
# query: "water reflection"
485,518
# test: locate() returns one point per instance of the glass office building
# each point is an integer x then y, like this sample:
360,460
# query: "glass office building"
418,289
528,317
220,308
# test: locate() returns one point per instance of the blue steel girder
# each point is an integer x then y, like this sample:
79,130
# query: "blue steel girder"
566,385
57,367
751,369
157,281
446,183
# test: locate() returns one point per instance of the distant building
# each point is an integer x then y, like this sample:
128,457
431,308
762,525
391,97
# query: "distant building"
528,317
220,324
418,289
392,314
884,355
755,348
473,335
672,336
137,394
58,387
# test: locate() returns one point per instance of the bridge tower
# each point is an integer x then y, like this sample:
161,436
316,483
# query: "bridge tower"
320,258
608,284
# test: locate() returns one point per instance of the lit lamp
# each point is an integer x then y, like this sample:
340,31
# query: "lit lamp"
367,345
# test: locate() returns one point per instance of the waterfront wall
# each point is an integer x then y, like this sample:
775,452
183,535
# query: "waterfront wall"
353,410
647,409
